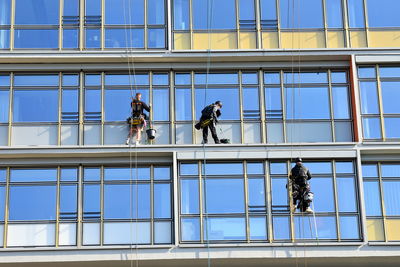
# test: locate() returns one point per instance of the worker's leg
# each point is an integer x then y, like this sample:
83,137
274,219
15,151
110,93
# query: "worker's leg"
130,134
205,135
138,133
214,133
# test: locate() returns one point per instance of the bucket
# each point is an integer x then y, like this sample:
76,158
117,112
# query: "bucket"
151,133
225,141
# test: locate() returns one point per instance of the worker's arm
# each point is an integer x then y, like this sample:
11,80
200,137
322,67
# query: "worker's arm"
146,107
308,175
214,114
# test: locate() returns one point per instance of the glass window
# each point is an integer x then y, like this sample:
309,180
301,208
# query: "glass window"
319,167
183,78
160,79
383,13
366,72
372,128
228,96
36,80
42,12
268,14
162,201
339,77
216,78
113,174
93,104
70,107
183,104
391,197
249,78
223,168
305,227
162,173
68,202
251,109
122,12
389,72
372,198
92,7
340,103
3,175
246,14
70,38
4,105
281,227
71,8
120,38
156,38
91,174
91,201
32,202
255,168
390,92
160,104
5,12
92,38
349,227
69,174
133,201
33,175
369,170
258,228
256,195
301,14
117,104
305,77
35,38
323,194
346,194
219,14
189,196
369,98
190,229
5,80
344,167
272,78
4,38
181,14
224,229
390,170
189,169
155,13
70,80
334,13
279,192
2,202
315,103
224,196
392,126
273,103
356,13
93,79
124,79
278,168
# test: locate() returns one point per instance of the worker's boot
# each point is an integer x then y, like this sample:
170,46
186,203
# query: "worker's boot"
309,210
127,141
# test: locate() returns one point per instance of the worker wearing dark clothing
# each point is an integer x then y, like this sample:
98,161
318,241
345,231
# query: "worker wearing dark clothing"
208,120
299,176
138,119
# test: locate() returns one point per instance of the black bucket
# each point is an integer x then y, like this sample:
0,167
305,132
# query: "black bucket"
225,141
151,133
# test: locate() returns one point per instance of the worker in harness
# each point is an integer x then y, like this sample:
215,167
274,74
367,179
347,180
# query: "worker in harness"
209,118
301,194
137,121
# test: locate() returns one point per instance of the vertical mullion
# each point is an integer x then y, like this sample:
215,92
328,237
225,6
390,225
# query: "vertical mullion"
361,202
194,141
246,200
258,24
10,108
378,82
80,207
60,22
101,205
289,191
332,117
60,92
345,19
335,191
382,201
57,238
145,25
366,22
200,167
261,88
172,106
176,199
6,207
81,101
151,115
283,103
152,221
191,23
278,10
102,32
81,24
325,22
12,28
102,108
237,24
268,195
169,15
241,107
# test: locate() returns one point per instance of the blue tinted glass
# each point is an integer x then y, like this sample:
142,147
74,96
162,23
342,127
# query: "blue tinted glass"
190,229
372,198
314,103
36,80
319,167
70,80
346,194
91,174
216,78
390,170
349,227
219,14
122,12
228,96
273,102
4,38
189,196
42,12
91,201
122,38
2,202
223,168
251,103
35,38
92,100
35,106
112,174
92,39
224,196
162,201
391,197
255,168
268,10
389,72
4,105
183,104
258,228
92,79
123,79
71,7
356,13
323,194
372,128
344,167
392,127
160,104
32,202
5,13
272,78
117,104
125,196
369,170
369,98
156,38
155,13
68,201
340,103
338,77
279,192
92,7
281,228
69,174
390,92
383,13
3,175
33,175
70,38
334,13
162,173
160,79
366,72
256,190
249,78
305,227
246,10
306,77
181,14
189,169
278,168
182,78
70,100
301,14
4,80
224,229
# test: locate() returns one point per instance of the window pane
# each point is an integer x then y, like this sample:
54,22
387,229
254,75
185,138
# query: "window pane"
183,78
273,103
223,168
224,196
162,173
70,104
249,78
338,77
181,14
4,38
36,80
390,170
369,170
189,169
70,174
4,105
224,229
392,126
156,38
305,77
5,12
323,194
219,14
383,13
349,227
70,80
162,201
189,196
124,79
366,72
356,13
122,12
5,80
228,96
281,228
344,167
256,192
3,175
125,197
117,104
70,38
334,13
372,128
190,229
315,103
156,13
93,79
92,38
160,104
92,7
42,12
183,104
71,8
113,174
319,167
35,38
346,194
390,92
68,201
32,202
258,228
272,78
121,38
391,197
340,103
305,227
160,79
255,168
91,201
2,202
389,72
301,14
372,198
279,192
278,168
92,104
268,10
251,108
33,175
216,78
91,174
246,10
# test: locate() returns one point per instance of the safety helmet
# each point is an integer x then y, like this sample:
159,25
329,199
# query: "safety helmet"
219,103
299,160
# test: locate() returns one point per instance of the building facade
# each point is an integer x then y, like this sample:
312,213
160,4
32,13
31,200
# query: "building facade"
317,79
